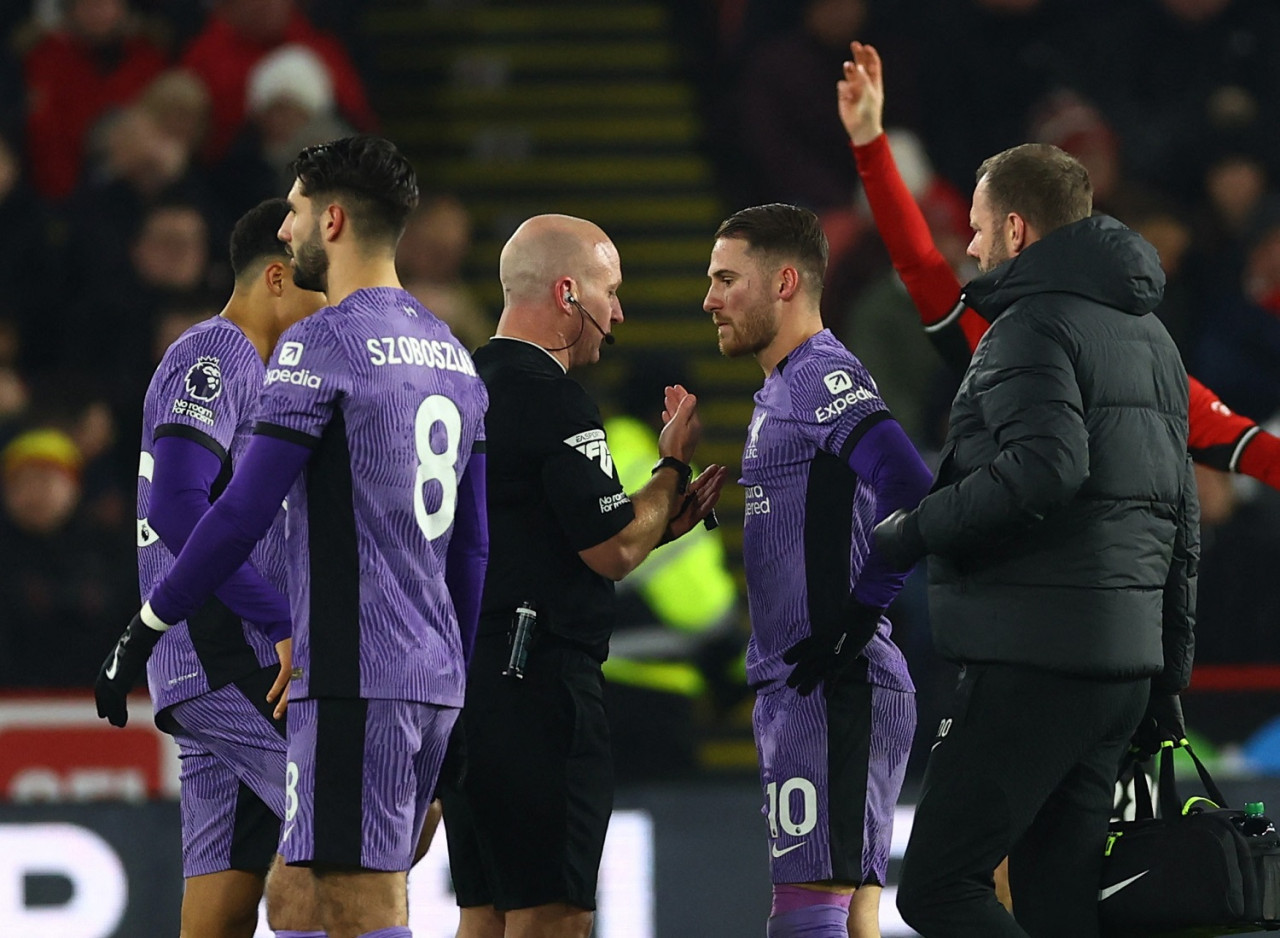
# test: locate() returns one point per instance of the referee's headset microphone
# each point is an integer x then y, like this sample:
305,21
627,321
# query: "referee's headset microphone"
573,301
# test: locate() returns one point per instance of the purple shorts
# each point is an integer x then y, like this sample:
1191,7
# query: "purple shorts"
232,781
832,765
360,778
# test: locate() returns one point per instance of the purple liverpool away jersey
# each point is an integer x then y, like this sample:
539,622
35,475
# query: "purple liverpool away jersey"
391,406
808,516
206,389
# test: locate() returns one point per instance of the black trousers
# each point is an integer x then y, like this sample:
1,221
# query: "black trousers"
1024,765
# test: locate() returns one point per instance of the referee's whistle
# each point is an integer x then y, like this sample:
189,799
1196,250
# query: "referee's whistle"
521,639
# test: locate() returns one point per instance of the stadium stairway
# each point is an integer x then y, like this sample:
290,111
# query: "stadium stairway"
576,107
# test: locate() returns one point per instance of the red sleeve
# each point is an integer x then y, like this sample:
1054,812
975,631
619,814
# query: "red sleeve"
932,285
1218,434
1260,458
1223,439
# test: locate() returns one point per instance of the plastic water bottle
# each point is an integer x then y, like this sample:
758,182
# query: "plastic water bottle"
1255,823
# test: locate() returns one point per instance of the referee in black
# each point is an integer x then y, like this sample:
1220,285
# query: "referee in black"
526,824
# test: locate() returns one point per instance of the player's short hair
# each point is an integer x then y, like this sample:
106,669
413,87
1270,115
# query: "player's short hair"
255,240
783,233
372,180
1047,186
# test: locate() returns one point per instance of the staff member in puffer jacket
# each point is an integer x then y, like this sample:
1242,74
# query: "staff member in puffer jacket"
1063,534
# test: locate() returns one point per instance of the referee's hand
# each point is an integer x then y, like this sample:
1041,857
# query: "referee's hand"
121,670
699,501
681,429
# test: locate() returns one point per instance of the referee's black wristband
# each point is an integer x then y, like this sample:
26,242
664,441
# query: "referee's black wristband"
684,472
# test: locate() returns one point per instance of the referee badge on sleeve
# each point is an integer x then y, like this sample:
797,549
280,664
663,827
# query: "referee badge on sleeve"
592,444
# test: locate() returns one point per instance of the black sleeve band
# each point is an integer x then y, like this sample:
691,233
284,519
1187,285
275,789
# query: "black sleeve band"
288,434
194,435
867,422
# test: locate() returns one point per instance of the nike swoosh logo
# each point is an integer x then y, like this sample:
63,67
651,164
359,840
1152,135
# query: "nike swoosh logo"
1110,891
115,664
287,831
773,848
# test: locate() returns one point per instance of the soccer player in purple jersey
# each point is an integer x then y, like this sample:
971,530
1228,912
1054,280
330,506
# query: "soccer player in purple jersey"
824,462
212,676
371,422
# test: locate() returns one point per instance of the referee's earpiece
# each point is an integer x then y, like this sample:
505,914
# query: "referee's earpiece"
568,297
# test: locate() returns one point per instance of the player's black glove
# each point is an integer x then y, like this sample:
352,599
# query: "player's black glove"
121,670
832,647
1161,724
899,541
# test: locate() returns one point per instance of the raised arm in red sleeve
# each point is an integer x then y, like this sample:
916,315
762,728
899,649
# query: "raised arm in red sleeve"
1218,438
929,279
1223,439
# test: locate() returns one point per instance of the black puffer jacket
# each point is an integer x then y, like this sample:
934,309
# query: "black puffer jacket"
1064,527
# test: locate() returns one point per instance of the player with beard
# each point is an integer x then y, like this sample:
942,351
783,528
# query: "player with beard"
824,462
371,422
1217,437
214,676
1063,540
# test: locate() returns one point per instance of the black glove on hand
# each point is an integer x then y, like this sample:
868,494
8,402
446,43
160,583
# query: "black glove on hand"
831,648
898,540
1162,722
122,669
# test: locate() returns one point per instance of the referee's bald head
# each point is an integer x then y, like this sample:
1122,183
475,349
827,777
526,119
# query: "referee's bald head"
547,247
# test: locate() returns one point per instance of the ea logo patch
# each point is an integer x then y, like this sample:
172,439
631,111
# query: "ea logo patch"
291,353
838,382
204,379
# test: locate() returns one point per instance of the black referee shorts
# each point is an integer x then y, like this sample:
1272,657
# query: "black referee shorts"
526,826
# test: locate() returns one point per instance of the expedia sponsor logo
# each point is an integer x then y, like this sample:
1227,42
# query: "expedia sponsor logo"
291,353
301,377
609,502
838,381
757,501
194,410
591,443
426,353
841,404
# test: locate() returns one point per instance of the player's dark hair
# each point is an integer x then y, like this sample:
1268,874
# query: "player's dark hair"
1047,186
370,178
254,239
783,233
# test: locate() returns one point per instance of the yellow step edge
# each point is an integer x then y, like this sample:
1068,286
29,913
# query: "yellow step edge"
593,172
605,98
559,18
694,210
640,129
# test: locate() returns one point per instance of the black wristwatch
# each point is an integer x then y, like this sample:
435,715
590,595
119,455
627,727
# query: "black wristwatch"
683,471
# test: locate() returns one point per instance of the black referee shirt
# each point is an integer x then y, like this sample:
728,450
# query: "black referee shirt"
552,491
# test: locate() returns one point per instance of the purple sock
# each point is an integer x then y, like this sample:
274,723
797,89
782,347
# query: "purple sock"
286,933
808,913
396,931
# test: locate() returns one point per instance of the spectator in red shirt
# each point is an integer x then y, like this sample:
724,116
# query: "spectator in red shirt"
238,34
95,62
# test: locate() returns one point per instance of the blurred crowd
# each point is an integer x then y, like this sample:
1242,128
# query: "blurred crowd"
134,132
